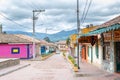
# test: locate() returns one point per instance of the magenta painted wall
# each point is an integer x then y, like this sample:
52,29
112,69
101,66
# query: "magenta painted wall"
5,51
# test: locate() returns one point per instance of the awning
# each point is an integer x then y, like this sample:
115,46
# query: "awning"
103,30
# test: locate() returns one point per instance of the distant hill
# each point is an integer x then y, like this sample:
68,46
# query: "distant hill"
62,35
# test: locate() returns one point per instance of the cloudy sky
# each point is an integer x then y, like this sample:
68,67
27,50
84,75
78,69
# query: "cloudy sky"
16,15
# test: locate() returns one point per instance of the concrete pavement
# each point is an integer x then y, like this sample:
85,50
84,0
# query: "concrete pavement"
90,72
11,69
57,68
53,68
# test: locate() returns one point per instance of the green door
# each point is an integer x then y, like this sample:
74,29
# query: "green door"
91,55
118,56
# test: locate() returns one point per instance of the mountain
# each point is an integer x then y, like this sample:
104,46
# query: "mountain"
62,35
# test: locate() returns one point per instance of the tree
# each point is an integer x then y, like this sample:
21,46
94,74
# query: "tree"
47,39
68,41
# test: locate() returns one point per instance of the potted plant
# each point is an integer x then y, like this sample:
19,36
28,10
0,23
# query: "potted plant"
75,67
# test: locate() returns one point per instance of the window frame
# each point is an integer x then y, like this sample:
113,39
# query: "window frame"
12,50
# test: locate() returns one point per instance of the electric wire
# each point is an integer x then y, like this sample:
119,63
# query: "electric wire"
13,21
84,11
87,12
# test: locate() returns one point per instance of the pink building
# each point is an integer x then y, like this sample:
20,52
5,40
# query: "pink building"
17,46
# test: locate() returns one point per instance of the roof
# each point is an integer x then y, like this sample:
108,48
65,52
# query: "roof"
51,44
16,38
61,42
88,29
43,42
104,29
110,22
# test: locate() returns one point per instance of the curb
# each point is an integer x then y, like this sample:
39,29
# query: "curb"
46,57
18,68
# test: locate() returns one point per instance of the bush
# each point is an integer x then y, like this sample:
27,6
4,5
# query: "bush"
75,65
71,59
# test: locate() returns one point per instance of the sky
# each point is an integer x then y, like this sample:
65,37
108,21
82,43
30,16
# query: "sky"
16,15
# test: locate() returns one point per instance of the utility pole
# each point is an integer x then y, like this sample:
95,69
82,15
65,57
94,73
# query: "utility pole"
78,29
34,19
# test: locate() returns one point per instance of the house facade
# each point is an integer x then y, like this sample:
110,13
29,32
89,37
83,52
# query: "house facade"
101,46
46,47
17,46
85,44
61,46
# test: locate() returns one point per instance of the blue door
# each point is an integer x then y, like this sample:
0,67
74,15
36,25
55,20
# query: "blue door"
43,49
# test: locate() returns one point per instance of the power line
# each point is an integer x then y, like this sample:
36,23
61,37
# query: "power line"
87,11
31,5
13,21
83,14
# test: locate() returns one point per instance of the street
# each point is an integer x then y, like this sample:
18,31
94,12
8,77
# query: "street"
54,68
57,68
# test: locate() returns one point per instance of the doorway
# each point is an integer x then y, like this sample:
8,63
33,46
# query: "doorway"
117,56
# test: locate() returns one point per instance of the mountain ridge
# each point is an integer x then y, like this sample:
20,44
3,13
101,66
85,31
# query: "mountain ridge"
62,35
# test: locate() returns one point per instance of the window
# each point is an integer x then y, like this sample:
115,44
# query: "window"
15,50
97,50
106,51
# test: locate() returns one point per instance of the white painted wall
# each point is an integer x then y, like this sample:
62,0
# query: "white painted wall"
96,61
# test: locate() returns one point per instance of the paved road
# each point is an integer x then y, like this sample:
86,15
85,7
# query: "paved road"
54,68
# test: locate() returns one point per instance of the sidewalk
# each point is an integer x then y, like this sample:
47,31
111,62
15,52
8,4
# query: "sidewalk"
90,72
11,69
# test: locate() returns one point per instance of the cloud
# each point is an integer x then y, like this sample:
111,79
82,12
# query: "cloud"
59,14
